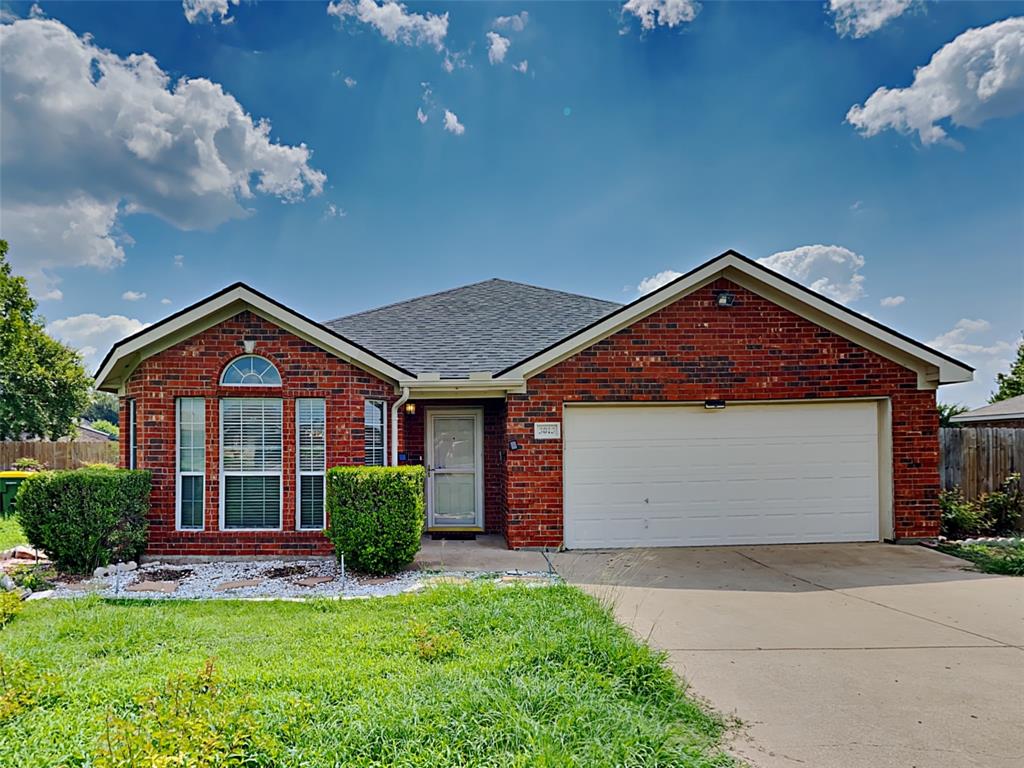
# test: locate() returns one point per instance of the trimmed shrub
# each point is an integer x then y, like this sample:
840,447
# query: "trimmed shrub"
1005,506
85,518
961,517
376,516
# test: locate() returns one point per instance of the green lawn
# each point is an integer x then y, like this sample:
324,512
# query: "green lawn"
1002,560
475,676
10,533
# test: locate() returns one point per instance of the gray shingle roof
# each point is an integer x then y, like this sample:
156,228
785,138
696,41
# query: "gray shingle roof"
484,326
1011,408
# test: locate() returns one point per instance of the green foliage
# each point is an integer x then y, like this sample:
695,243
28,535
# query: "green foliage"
10,604
1004,507
947,411
102,406
1011,384
376,516
105,426
435,646
1003,560
43,387
34,577
28,464
542,677
23,687
188,721
85,518
961,517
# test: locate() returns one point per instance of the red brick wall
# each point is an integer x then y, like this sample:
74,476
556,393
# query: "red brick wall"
691,350
192,369
494,445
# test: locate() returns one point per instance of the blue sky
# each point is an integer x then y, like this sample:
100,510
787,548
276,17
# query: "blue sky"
620,153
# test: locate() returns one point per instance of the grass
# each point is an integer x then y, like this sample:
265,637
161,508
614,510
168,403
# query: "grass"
455,676
1002,560
10,533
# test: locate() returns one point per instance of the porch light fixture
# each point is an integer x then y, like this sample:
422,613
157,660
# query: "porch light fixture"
725,299
714,405
410,409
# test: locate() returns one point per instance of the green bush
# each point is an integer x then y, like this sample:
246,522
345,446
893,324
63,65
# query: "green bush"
1004,507
85,518
376,516
28,464
10,604
961,517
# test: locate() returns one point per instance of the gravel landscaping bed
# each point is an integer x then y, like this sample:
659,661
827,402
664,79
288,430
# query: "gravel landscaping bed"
270,579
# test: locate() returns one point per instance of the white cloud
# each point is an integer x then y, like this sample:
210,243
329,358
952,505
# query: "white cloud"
133,295
452,124
959,341
664,13
93,335
654,282
36,12
497,47
831,270
179,260
421,115
205,10
516,23
334,212
522,66
165,301
54,294
859,18
350,82
114,136
979,76
892,301
394,21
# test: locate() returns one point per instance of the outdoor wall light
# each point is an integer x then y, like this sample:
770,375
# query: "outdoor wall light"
725,299
714,405
410,409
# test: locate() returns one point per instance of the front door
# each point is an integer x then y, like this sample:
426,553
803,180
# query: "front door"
455,468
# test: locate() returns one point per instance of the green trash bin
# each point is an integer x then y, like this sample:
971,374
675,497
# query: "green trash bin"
9,482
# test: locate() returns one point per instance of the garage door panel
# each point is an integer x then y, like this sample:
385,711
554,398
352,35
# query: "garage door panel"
681,475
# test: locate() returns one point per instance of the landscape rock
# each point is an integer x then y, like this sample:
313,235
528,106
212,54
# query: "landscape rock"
40,595
99,572
240,584
6,583
164,587
131,565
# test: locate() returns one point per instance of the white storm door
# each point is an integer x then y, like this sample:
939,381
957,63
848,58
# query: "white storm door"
454,443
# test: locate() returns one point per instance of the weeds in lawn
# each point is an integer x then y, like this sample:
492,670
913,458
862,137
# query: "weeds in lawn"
22,687
1004,560
435,646
10,604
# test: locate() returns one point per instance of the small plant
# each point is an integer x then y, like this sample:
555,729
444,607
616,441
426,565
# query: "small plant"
28,464
22,687
34,577
1004,507
376,516
10,605
961,517
186,722
85,518
435,646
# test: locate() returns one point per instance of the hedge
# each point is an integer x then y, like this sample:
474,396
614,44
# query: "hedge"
376,516
85,518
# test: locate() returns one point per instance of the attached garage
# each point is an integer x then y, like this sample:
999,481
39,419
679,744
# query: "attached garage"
683,475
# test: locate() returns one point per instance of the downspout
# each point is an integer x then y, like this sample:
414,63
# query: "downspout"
394,425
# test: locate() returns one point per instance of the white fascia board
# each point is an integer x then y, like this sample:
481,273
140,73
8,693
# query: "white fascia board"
967,418
218,308
948,371
462,388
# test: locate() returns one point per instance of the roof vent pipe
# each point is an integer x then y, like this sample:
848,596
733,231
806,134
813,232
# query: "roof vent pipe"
394,424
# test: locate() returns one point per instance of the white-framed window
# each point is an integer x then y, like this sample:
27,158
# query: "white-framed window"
250,463
311,458
191,462
251,371
375,435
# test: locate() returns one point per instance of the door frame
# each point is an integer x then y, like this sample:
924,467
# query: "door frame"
428,449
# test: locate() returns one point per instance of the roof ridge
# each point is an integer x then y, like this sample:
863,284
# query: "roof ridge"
463,287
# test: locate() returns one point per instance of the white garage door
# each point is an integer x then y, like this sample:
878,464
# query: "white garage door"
671,475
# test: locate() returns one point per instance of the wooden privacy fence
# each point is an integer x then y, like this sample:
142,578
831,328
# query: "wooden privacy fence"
978,459
70,455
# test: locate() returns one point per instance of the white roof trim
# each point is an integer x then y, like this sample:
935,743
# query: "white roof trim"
946,369
128,353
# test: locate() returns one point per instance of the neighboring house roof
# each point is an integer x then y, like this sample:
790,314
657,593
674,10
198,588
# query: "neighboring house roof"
127,353
484,326
933,367
1011,408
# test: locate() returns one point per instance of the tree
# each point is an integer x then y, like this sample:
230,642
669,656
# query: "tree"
105,426
947,411
1011,384
103,406
43,386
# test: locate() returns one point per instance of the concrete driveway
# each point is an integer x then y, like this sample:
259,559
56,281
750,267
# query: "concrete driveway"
832,656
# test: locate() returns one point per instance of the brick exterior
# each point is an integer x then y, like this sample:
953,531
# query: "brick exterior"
192,368
692,351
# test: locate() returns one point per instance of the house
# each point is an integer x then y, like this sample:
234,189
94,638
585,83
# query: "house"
1004,413
731,406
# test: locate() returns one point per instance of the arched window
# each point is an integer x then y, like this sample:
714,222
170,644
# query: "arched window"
251,371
